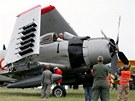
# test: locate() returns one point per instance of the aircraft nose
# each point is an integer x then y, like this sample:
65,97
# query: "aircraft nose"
112,47
94,48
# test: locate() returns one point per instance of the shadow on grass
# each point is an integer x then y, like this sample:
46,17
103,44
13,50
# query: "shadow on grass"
36,92
19,94
27,94
75,94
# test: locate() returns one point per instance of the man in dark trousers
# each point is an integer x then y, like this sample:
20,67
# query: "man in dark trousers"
46,82
100,85
87,84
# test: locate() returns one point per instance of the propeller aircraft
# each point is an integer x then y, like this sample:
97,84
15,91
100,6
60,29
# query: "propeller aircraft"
29,49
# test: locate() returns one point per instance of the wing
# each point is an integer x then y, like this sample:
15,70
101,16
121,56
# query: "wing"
34,81
25,38
22,78
52,21
6,79
62,66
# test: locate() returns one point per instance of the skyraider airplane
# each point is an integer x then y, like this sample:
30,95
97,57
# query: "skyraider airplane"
29,49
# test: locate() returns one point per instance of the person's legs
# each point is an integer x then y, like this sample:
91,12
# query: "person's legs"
90,93
95,94
126,89
86,93
105,94
48,90
43,89
101,95
120,93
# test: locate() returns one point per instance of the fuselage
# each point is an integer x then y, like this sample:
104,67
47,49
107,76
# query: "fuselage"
75,52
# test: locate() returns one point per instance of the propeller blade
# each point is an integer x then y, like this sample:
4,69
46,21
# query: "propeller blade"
114,64
118,30
108,39
117,39
104,34
123,58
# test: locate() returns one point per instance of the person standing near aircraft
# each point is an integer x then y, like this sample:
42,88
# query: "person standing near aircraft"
59,72
46,81
124,78
100,85
108,78
87,84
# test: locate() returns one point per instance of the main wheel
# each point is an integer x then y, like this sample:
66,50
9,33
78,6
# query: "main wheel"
59,91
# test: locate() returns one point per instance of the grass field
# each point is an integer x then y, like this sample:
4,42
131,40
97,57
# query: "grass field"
34,95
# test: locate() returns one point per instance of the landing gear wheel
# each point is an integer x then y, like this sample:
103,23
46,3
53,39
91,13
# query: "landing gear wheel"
59,91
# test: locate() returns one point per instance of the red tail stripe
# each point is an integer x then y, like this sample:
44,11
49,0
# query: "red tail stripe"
47,9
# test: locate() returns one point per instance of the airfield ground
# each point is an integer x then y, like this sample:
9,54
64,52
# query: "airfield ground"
31,94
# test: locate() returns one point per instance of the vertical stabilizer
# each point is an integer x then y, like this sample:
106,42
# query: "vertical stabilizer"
24,42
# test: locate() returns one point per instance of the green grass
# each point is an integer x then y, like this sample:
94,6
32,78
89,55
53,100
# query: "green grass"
34,95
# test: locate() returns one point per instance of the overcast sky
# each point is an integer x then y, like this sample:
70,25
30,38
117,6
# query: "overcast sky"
87,17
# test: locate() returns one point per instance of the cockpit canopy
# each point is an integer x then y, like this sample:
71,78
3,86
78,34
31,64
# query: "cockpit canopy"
48,38
52,37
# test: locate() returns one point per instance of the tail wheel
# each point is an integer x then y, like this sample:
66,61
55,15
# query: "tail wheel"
59,91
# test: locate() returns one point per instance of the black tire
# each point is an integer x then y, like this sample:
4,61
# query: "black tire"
59,91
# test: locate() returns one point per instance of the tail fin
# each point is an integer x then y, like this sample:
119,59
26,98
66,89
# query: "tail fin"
53,21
